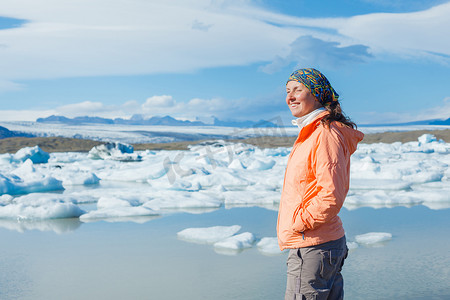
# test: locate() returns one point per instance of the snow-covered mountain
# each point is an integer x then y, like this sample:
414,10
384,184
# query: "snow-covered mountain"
155,120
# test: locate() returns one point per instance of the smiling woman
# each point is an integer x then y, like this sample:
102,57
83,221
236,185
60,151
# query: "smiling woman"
315,185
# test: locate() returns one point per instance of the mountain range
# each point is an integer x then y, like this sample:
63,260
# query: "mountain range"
140,120
423,122
6,133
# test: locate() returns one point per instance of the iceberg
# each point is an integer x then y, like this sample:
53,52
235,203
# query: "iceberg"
26,179
237,242
269,246
37,206
208,235
35,154
114,207
114,151
373,238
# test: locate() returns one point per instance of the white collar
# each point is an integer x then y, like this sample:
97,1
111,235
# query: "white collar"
306,119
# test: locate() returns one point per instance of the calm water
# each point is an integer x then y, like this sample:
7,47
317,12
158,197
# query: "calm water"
66,259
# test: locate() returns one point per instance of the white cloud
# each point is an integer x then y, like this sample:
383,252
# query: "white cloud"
196,107
161,105
118,37
440,111
81,109
201,26
7,86
310,51
104,37
158,102
24,115
411,34
98,109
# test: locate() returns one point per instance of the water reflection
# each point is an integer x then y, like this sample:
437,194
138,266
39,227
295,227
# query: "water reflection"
133,219
58,226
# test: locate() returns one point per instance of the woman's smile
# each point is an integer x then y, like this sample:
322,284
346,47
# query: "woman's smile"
300,100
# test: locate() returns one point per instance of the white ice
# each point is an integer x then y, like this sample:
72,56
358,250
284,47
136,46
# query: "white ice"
114,207
352,245
26,178
35,154
216,174
269,246
38,206
237,242
373,238
226,241
114,151
157,134
208,235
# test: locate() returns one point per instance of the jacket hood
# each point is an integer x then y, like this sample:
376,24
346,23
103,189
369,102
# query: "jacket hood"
351,135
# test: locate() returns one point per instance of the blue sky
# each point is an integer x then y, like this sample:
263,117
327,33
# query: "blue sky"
388,60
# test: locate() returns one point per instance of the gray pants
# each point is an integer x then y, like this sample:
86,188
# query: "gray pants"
315,272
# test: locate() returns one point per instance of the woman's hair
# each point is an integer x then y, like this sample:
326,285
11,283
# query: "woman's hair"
336,114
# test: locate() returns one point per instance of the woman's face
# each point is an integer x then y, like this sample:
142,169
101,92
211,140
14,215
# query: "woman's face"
300,100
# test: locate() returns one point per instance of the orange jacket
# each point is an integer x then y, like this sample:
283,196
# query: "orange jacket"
316,183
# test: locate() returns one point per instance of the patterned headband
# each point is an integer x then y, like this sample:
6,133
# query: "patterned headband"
317,83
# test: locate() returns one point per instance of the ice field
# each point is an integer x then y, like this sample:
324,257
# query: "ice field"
215,203
122,183
162,134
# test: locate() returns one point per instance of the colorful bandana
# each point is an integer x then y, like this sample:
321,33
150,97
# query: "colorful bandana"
317,83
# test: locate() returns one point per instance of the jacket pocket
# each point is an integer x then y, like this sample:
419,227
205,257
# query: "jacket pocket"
297,222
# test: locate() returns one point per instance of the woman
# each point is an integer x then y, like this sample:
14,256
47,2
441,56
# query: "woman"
316,183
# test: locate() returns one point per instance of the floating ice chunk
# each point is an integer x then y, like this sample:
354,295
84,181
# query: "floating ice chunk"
253,197
182,200
281,151
109,207
237,242
433,195
424,176
39,206
352,245
75,176
68,157
379,184
30,182
236,164
222,177
265,185
25,169
373,238
366,164
208,235
114,151
6,158
426,138
117,213
35,154
188,184
5,199
112,202
139,172
437,205
261,165
380,198
269,246
434,198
